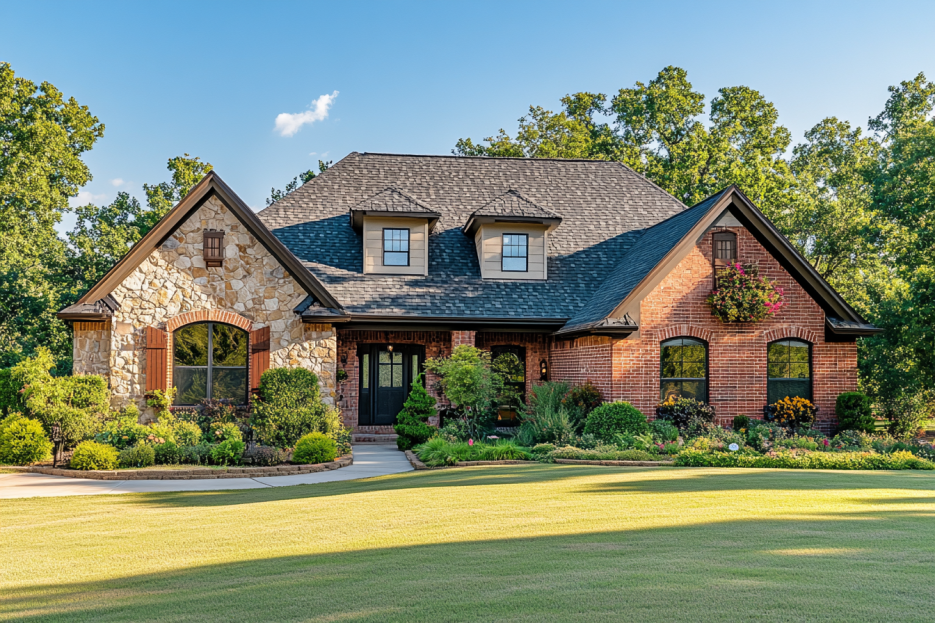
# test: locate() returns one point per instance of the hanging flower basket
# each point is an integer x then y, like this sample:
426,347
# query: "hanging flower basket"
743,296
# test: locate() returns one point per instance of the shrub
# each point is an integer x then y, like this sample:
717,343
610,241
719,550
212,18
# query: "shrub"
740,423
454,430
469,381
811,460
314,448
852,440
158,432
791,413
76,404
264,456
601,454
681,411
15,382
411,428
546,424
195,455
167,453
542,448
905,412
612,418
291,408
342,440
670,447
502,450
223,431
160,401
580,401
854,412
23,441
437,452
122,432
140,455
94,455
228,452
663,431
742,295
187,433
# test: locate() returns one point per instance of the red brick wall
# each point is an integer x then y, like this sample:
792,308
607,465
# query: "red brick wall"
437,344
463,338
584,359
736,352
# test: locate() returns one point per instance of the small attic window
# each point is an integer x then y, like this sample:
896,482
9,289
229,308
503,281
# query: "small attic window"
725,251
213,248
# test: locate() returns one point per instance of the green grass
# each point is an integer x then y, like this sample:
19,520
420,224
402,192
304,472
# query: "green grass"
524,543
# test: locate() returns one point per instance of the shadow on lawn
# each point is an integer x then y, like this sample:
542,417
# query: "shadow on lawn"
633,480
868,566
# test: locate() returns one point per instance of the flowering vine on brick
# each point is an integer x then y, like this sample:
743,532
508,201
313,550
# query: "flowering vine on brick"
743,296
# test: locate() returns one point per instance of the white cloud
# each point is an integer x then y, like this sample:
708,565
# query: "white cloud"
117,182
85,197
288,124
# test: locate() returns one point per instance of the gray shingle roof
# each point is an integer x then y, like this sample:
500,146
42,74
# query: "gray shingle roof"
393,200
642,257
512,203
605,207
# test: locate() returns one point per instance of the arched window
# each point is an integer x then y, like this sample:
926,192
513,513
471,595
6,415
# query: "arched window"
789,370
210,362
684,369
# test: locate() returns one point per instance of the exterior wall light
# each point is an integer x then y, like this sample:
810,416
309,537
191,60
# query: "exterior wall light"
543,370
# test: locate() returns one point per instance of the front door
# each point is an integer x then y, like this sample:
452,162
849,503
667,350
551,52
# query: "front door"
386,375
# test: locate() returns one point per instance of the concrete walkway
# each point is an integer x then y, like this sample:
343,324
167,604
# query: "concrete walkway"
369,461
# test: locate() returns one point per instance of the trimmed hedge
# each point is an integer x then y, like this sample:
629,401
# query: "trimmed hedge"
23,441
855,412
291,408
315,448
94,455
613,418
815,460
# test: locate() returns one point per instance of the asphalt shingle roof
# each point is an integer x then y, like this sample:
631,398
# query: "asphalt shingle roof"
393,200
512,203
604,206
642,257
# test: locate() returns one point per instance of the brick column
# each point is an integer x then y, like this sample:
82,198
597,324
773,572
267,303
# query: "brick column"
462,338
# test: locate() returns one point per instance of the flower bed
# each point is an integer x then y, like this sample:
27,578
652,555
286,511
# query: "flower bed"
804,460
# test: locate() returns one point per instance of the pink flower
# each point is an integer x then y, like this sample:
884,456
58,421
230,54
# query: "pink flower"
470,442
493,437
826,443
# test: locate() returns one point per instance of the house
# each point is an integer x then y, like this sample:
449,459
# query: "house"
585,270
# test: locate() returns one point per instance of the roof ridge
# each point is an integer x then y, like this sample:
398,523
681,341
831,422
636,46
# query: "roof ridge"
491,158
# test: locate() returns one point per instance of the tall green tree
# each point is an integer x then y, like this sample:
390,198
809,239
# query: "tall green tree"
186,172
43,136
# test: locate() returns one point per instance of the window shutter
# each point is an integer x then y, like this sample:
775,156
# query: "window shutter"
259,356
156,364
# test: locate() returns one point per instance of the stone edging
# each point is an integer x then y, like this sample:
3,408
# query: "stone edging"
417,464
615,463
196,473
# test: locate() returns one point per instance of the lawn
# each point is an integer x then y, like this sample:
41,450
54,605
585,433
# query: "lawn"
528,543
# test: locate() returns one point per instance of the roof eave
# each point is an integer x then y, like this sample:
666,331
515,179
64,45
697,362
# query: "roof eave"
476,221
357,217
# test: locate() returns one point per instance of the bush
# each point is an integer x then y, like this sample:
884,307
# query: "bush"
195,455
228,452
542,448
502,450
314,448
600,454
469,381
16,381
683,411
123,430
76,404
411,428
580,401
791,413
264,456
167,453
224,431
140,455
613,418
663,431
547,424
740,423
94,455
187,433
855,412
852,440
812,460
438,451
454,430
291,408
342,440
23,441
905,412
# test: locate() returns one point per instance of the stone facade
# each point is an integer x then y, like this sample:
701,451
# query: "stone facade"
174,280
91,348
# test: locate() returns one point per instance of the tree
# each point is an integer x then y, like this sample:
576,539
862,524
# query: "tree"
469,381
103,235
275,195
411,427
160,198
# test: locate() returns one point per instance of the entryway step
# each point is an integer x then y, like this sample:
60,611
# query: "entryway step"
373,438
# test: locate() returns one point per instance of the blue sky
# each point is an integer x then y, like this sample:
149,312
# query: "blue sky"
210,79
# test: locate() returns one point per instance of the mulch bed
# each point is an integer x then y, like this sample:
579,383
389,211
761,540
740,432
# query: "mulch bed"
193,473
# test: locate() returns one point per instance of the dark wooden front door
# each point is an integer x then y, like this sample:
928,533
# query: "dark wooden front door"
386,376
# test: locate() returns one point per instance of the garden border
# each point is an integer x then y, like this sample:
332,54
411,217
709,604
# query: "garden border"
419,465
615,463
195,473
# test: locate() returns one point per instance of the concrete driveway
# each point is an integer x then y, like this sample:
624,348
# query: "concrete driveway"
369,460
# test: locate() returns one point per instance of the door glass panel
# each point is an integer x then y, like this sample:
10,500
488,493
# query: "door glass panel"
386,377
366,371
415,367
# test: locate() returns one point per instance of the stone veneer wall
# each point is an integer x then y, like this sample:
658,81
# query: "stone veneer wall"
174,280
91,348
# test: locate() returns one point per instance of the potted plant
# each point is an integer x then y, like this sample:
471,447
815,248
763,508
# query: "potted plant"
743,296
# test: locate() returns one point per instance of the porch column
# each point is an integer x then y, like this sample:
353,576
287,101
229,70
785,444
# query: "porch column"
462,338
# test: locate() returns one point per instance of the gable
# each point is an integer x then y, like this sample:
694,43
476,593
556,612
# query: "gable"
210,189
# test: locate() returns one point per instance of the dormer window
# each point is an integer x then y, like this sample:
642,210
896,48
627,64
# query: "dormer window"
515,255
395,247
213,248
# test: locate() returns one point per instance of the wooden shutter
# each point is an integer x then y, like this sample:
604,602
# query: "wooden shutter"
156,363
259,356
